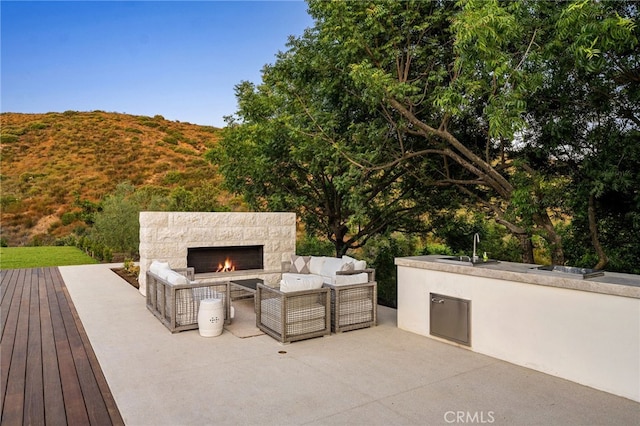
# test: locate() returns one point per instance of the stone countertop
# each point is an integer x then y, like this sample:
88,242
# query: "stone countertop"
612,283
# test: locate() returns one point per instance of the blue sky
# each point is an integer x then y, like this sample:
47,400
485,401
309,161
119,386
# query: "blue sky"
177,59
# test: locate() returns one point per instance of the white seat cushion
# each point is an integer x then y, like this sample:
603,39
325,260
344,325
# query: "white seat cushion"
298,282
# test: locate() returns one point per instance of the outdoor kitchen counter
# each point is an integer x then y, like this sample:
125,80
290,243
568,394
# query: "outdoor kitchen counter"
584,330
612,283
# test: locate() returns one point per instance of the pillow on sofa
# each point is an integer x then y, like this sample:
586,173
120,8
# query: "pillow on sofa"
299,282
161,269
330,266
347,266
300,264
315,264
358,265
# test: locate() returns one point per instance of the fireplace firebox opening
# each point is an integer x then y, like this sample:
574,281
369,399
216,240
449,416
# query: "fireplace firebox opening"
225,259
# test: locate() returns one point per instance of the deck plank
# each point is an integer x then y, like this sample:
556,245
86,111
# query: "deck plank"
14,392
10,309
33,390
50,374
53,399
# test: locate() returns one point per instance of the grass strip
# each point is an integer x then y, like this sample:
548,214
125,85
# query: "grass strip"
35,257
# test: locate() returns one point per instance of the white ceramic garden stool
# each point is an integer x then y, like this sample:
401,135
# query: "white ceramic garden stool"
210,317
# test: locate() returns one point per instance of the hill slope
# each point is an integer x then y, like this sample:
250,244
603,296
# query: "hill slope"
50,159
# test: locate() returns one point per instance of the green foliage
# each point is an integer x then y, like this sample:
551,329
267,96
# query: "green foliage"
38,126
130,267
8,138
436,248
314,246
7,200
457,231
117,225
171,140
173,176
203,198
149,123
88,209
380,253
70,217
95,249
500,101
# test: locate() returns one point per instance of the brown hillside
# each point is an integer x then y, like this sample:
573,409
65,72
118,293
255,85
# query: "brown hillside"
48,159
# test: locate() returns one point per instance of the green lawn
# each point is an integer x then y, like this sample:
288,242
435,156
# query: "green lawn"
33,257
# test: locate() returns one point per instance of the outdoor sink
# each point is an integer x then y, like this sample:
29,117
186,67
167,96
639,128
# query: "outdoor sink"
568,271
465,260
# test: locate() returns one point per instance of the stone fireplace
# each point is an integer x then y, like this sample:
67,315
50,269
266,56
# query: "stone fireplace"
225,258
253,244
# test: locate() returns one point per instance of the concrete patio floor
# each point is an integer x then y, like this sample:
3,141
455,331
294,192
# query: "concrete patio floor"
381,375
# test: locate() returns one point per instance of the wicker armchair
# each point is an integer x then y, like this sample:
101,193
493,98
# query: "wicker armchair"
292,316
176,305
353,306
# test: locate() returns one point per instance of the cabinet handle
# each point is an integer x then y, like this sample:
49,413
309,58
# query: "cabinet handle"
436,300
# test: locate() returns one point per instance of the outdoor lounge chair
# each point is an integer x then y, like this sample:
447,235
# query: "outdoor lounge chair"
288,316
175,302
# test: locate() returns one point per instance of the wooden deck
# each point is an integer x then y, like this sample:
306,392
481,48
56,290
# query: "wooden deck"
49,372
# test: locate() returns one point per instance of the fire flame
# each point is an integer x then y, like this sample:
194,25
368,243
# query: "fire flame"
227,267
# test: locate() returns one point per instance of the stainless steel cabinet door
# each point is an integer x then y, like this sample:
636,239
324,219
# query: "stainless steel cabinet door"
450,318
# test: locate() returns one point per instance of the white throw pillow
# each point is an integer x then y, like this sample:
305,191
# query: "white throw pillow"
299,282
358,265
157,267
331,266
315,264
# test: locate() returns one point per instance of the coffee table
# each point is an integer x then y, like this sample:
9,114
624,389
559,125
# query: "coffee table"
244,288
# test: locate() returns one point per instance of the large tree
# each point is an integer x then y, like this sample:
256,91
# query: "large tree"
459,83
384,108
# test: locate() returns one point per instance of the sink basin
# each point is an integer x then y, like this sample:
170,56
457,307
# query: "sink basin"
465,261
568,271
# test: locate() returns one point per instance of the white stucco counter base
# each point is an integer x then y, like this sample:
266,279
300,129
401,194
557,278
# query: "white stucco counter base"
586,331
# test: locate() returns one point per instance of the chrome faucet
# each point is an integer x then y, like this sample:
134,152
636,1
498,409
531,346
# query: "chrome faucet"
476,238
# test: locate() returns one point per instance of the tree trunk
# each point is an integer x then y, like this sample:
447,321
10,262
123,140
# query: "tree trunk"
543,221
339,232
527,248
593,231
